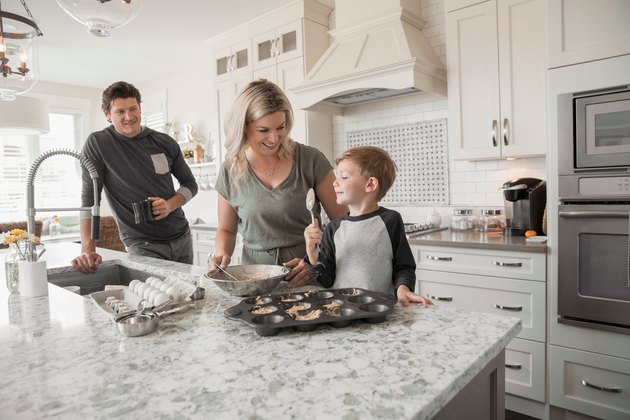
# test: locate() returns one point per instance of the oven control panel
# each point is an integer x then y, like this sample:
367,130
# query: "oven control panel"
605,186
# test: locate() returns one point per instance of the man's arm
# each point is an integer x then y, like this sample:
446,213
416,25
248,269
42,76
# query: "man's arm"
89,258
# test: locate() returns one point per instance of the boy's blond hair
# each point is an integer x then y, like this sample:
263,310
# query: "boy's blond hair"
372,162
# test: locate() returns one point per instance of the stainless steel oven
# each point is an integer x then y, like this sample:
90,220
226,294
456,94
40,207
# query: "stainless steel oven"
594,210
593,265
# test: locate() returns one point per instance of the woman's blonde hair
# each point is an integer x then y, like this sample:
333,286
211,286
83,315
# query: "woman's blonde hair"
258,99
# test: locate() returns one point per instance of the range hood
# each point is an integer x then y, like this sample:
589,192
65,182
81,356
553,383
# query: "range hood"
378,51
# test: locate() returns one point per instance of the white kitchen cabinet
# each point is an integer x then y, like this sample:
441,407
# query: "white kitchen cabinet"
281,44
203,246
586,30
509,283
234,60
496,79
283,54
589,383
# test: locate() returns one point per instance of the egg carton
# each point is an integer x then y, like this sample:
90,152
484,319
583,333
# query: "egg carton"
123,300
304,311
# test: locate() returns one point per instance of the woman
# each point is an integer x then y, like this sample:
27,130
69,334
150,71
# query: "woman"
263,183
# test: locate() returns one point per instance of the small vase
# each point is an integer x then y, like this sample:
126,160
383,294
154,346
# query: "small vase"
17,252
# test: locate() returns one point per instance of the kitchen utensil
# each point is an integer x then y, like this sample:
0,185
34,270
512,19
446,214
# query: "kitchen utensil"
303,311
223,270
255,279
143,323
310,203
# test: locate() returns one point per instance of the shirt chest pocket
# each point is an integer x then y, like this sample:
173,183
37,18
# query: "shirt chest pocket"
160,163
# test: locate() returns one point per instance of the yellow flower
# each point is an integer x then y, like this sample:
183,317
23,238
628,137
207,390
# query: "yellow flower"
16,235
55,219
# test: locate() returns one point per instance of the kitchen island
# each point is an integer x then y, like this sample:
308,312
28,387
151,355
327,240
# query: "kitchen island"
61,356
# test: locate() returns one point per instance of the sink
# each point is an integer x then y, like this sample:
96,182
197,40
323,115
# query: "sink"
96,282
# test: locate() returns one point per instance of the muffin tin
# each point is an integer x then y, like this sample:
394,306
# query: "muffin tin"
303,311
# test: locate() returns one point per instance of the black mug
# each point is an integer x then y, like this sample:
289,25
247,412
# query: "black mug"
142,211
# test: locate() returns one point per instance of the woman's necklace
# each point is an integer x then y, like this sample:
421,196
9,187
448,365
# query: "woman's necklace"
270,173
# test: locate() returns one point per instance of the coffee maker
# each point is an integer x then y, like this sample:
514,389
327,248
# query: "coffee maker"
525,201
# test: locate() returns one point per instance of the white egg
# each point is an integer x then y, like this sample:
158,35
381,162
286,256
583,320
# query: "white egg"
164,287
171,291
147,292
160,298
132,284
152,296
140,289
157,284
150,281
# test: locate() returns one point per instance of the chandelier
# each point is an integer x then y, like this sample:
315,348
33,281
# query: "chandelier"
18,53
101,16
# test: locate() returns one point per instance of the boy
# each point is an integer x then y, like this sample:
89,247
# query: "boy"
368,247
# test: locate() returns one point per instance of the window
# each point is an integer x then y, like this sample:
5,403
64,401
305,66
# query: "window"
154,110
58,178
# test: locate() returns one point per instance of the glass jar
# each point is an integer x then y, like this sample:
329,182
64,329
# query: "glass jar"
17,252
462,219
54,228
491,220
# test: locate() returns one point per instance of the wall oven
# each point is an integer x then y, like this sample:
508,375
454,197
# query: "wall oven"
594,210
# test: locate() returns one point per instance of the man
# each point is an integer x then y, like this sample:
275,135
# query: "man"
135,163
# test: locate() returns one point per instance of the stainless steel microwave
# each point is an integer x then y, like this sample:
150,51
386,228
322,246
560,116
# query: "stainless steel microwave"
596,131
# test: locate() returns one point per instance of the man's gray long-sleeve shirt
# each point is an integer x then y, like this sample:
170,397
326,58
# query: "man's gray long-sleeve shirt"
132,169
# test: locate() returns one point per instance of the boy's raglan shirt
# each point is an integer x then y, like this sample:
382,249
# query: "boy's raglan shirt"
368,251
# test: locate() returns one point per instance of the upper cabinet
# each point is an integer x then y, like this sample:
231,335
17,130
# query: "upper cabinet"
586,30
234,60
283,55
281,44
496,79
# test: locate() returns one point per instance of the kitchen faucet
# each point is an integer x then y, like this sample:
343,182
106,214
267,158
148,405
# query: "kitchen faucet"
30,195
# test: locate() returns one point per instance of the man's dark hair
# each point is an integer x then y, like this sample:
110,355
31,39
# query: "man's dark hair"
119,90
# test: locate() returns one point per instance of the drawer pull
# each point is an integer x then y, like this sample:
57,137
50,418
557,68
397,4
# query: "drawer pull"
507,264
445,299
431,257
515,367
613,389
508,308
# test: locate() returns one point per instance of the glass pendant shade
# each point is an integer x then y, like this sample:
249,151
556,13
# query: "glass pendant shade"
101,16
18,55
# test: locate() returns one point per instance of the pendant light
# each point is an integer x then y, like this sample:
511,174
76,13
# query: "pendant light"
101,16
18,52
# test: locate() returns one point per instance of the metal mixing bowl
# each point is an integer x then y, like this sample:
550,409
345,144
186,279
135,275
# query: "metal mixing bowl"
254,279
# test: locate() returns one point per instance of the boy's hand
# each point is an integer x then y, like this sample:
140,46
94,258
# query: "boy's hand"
406,297
312,236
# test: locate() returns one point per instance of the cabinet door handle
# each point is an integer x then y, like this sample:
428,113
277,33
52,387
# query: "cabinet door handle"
507,264
505,131
508,308
442,298
613,389
230,63
494,133
433,258
276,46
273,47
515,367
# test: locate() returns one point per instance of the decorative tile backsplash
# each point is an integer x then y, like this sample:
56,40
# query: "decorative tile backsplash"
420,151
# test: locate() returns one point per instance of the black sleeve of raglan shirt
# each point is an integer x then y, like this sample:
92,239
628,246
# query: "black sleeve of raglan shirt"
403,264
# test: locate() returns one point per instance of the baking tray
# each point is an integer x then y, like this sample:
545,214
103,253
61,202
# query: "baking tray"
270,313
124,294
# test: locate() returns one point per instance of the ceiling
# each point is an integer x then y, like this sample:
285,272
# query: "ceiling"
162,38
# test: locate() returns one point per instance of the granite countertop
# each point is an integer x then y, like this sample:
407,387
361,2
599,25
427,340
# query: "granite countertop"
475,239
62,356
